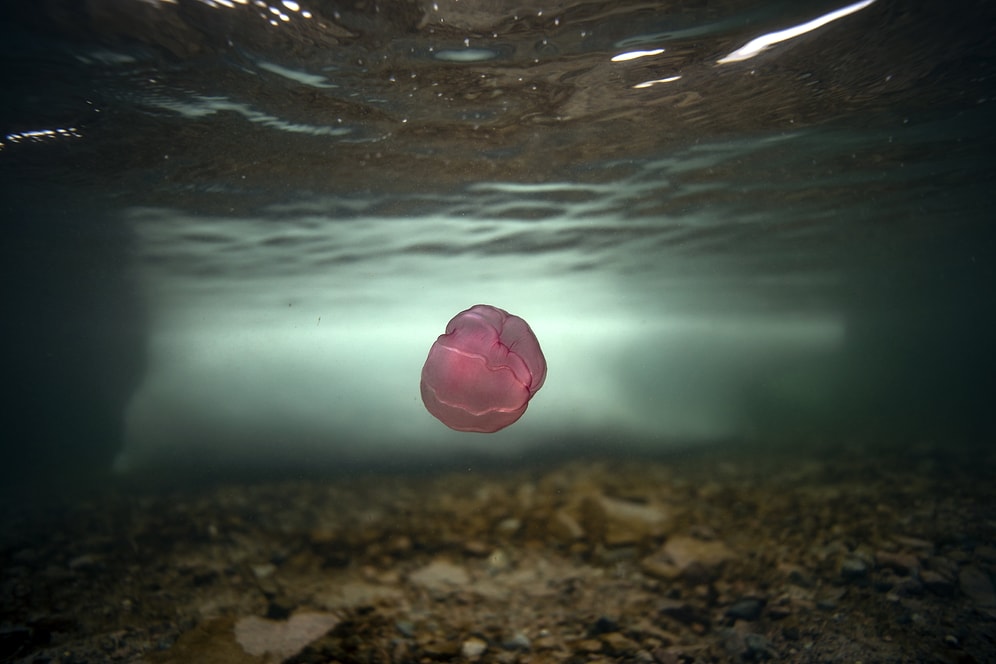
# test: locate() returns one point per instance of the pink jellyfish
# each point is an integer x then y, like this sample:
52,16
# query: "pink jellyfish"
481,374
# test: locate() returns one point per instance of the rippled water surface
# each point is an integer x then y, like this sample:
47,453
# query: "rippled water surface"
235,227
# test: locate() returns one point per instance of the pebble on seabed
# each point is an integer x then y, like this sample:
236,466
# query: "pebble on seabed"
473,648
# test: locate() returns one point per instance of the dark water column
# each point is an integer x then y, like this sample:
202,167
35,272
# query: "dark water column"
921,335
72,335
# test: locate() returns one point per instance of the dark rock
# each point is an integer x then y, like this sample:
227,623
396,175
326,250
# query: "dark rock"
519,641
277,610
603,625
747,608
747,646
943,566
977,586
683,612
757,648
87,561
938,584
957,556
885,581
797,576
986,553
12,640
44,628
205,578
826,604
907,587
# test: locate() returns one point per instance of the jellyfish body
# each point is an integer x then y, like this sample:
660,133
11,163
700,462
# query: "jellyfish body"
481,374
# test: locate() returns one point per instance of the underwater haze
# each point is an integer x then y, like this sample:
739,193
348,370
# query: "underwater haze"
234,228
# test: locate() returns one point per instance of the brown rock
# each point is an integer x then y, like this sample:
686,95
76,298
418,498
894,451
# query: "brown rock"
546,642
210,641
282,639
436,646
902,563
617,644
440,576
660,567
618,522
473,647
914,543
357,594
907,587
688,557
670,655
565,527
508,527
943,566
476,547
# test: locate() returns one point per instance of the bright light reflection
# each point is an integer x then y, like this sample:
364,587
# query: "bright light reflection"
276,10
633,55
304,78
647,84
755,46
40,135
199,107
